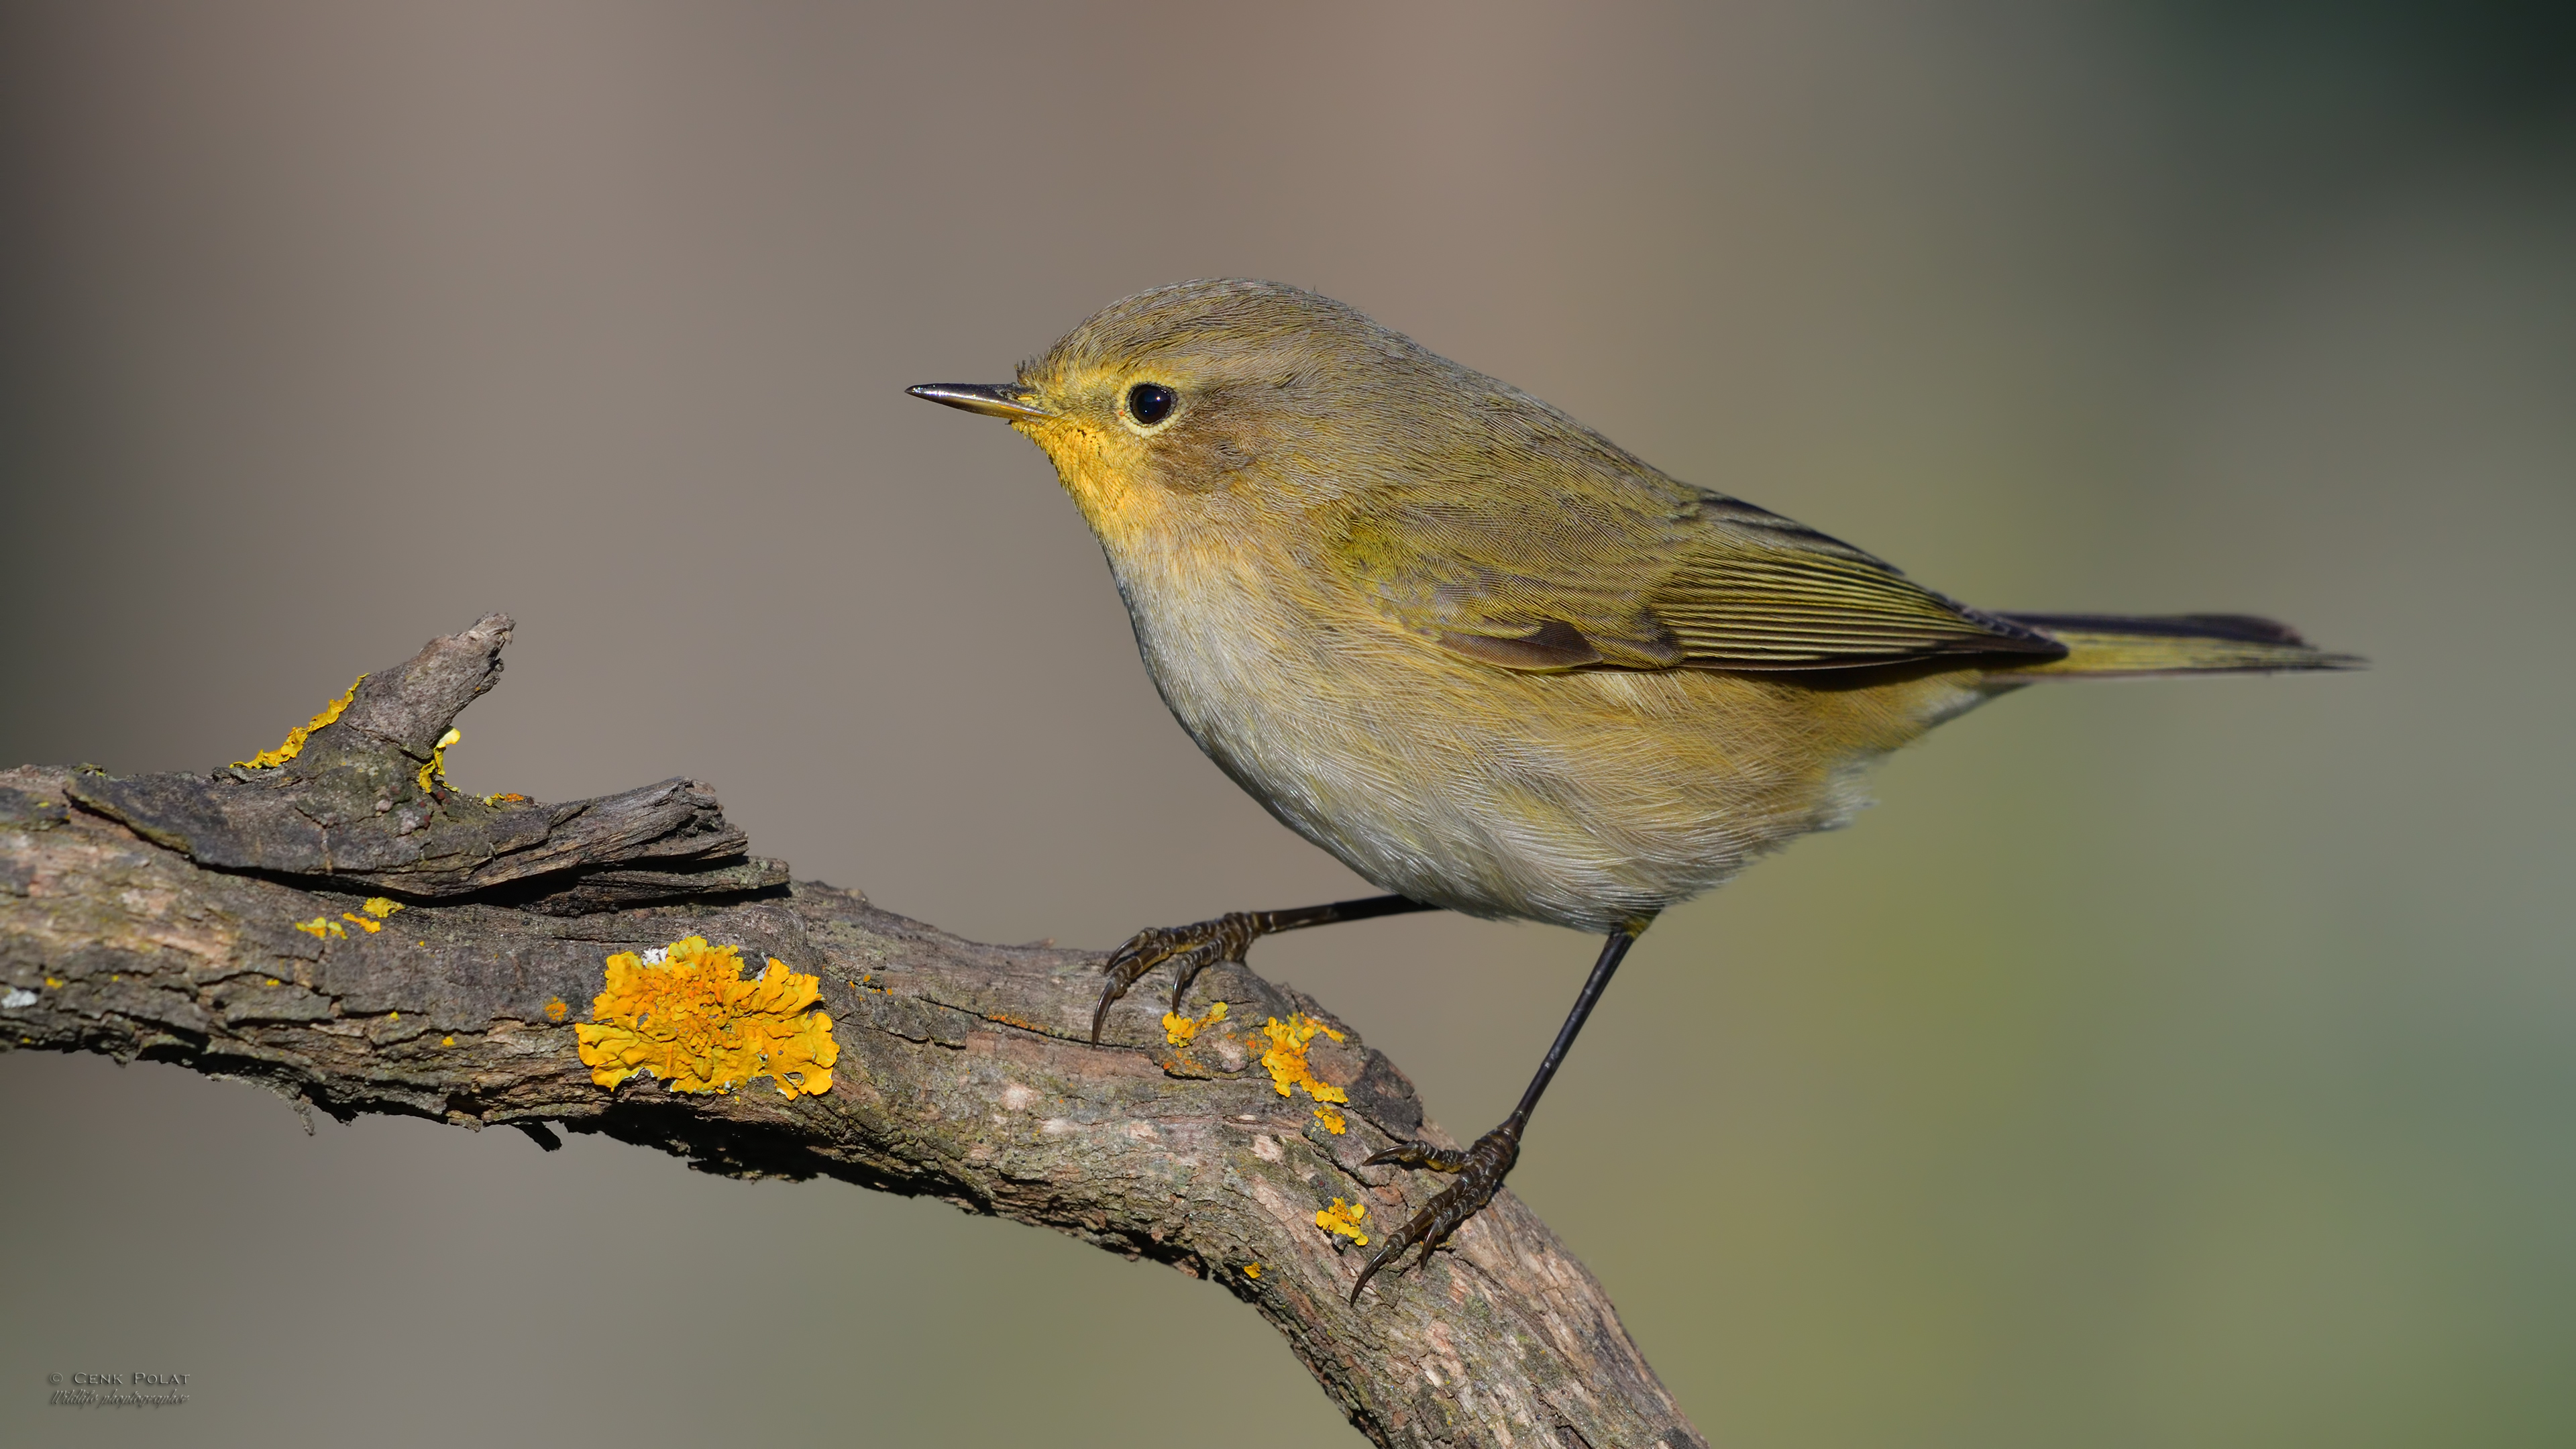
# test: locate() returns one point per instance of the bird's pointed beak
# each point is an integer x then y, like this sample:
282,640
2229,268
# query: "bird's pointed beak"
992,399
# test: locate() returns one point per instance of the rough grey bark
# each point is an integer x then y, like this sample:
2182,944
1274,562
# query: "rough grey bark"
157,917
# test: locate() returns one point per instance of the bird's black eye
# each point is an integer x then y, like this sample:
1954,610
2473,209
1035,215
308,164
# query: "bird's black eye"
1150,402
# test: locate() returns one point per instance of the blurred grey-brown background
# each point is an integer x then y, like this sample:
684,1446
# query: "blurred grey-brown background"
2161,1064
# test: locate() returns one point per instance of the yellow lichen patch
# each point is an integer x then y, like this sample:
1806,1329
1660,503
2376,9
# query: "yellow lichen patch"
556,1010
447,1041
690,1019
362,923
1344,1218
1252,1270
1181,1030
1334,1122
1286,1058
320,928
379,907
434,774
296,737
506,797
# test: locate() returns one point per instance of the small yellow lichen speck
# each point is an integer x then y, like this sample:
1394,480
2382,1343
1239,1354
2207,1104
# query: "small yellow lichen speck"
691,1020
1344,1218
447,1041
296,737
320,928
556,1010
1180,1030
53,983
362,923
379,907
1286,1058
1334,1122
393,1016
1252,1270
434,774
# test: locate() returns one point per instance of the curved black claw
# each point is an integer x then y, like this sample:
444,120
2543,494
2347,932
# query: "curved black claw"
1191,949
1481,1171
1419,1154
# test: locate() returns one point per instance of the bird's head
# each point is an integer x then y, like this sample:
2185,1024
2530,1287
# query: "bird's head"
1222,404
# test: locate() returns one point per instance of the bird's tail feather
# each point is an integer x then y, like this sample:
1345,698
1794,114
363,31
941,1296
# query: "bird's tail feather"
2112,644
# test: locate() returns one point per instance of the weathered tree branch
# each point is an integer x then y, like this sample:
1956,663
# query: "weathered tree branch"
964,1070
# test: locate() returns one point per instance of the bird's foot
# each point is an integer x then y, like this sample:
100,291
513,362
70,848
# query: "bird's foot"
1481,1170
1191,949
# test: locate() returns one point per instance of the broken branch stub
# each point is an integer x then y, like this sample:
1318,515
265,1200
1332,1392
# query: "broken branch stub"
360,801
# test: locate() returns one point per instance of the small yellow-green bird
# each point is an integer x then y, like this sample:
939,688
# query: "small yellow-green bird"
1493,661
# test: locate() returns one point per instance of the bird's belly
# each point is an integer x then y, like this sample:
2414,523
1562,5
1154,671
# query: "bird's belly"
1586,799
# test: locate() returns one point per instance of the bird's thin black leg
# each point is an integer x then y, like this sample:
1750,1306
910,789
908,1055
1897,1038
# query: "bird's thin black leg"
1482,1168
1194,948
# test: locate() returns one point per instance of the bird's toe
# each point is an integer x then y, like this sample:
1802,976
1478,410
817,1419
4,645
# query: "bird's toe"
1481,1170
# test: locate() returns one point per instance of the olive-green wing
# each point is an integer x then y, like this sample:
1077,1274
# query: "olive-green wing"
1652,576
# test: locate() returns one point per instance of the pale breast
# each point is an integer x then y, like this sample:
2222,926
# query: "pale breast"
1582,799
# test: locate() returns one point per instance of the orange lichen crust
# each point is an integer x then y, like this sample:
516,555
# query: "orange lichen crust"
295,738
1252,1270
434,774
1344,1218
557,1010
1180,1030
684,1014
1286,1058
1334,1122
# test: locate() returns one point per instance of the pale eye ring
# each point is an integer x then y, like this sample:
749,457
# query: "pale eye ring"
1150,402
